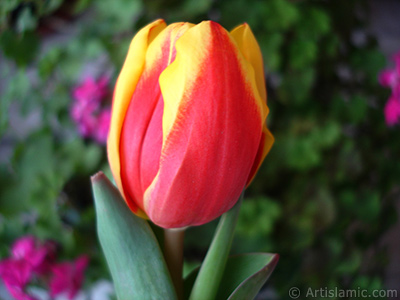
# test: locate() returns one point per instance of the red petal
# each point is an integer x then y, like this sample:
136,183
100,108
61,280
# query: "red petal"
209,151
141,136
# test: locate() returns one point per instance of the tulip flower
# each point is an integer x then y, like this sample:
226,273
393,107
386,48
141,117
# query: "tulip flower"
187,130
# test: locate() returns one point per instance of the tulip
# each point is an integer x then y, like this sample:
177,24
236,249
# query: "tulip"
187,130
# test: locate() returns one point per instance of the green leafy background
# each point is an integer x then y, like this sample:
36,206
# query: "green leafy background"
324,196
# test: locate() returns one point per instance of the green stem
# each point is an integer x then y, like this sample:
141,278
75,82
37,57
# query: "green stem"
173,253
211,271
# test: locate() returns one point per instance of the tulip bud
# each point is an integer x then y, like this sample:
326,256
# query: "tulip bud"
188,129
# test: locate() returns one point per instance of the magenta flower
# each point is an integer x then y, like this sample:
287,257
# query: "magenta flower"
33,260
103,125
27,258
88,110
388,78
81,109
16,274
91,90
391,78
37,256
392,111
68,277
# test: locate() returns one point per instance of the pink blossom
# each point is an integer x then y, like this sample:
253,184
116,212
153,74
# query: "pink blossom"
396,92
87,126
392,111
396,59
387,78
87,110
81,109
68,277
50,248
38,256
16,273
23,247
91,90
28,259
391,78
103,125
27,250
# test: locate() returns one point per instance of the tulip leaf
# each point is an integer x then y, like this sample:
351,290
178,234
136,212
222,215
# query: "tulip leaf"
133,255
244,276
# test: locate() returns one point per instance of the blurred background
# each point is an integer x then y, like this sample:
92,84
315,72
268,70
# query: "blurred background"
327,196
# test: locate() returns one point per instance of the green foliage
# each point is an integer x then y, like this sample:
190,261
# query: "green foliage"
243,277
210,276
21,47
134,257
18,22
118,15
257,217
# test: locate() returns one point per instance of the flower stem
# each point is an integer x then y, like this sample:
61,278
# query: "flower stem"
211,271
173,253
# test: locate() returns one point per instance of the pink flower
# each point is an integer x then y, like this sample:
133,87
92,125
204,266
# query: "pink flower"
81,109
68,277
391,78
396,59
91,119
87,126
16,273
103,125
91,90
392,111
387,78
25,249
37,256
28,259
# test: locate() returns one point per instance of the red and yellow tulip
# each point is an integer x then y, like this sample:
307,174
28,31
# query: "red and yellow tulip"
188,129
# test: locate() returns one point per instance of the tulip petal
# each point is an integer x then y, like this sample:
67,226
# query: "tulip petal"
124,90
250,49
267,140
211,105
141,135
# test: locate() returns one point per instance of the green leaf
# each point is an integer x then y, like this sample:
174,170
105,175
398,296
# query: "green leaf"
314,23
20,47
244,276
4,113
26,20
190,9
368,61
357,108
279,14
213,266
303,53
133,255
6,7
257,217
118,15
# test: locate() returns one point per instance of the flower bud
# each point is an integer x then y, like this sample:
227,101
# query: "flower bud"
188,129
